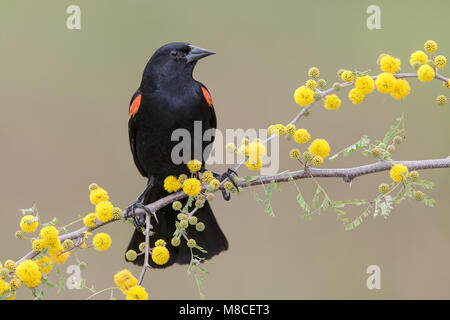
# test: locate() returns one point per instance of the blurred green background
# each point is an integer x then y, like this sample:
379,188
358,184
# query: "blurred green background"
63,125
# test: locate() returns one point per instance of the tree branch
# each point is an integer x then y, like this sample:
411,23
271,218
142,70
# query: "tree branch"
347,174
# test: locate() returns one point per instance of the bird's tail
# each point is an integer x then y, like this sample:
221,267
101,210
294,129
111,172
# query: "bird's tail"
211,238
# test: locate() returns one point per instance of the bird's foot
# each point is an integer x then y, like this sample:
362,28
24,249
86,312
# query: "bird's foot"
229,174
138,219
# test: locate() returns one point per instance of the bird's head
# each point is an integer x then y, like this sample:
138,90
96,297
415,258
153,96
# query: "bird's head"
175,59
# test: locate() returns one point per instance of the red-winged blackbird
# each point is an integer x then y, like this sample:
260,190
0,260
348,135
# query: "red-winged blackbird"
168,99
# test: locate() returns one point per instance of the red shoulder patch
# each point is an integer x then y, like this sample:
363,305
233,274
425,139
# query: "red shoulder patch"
134,106
207,96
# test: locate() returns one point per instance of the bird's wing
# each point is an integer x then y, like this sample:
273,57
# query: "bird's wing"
133,109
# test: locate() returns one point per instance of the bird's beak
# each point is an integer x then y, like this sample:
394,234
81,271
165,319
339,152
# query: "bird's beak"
197,53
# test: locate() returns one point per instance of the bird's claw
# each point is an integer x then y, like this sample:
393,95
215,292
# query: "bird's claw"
228,175
138,219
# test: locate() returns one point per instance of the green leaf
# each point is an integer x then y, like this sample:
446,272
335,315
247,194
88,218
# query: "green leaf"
315,200
359,145
303,203
424,184
267,206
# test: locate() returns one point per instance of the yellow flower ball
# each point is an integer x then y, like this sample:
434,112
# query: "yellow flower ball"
38,245
194,165
290,129
29,223
5,290
253,163
101,241
440,61
125,280
332,102
302,136
314,72
89,220
356,96
10,265
160,255
192,187
45,265
347,76
97,195
398,171
49,236
385,82
389,63
207,176
104,211
172,184
304,96
365,84
430,46
136,293
418,56
311,84
28,272
57,254
425,73
401,89
160,243
319,147
256,149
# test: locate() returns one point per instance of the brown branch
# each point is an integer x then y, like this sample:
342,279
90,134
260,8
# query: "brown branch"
347,174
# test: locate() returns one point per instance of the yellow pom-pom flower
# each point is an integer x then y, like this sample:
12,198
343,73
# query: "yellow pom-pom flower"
314,72
254,163
256,149
37,245
28,272
398,171
356,96
10,265
430,46
5,290
104,211
401,89
160,255
311,84
192,187
207,176
97,195
440,61
426,73
49,236
172,184
365,84
89,220
101,241
194,165
215,184
45,265
290,129
29,223
317,161
385,82
302,136
319,147
332,102
58,255
389,63
125,280
303,96
136,293
418,56
160,243
347,76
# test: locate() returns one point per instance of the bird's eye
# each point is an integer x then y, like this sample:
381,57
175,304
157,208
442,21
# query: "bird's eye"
173,53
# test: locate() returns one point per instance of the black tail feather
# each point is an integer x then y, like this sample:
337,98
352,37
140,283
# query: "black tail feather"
211,239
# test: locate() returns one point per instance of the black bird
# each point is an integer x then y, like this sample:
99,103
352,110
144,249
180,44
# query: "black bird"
168,99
